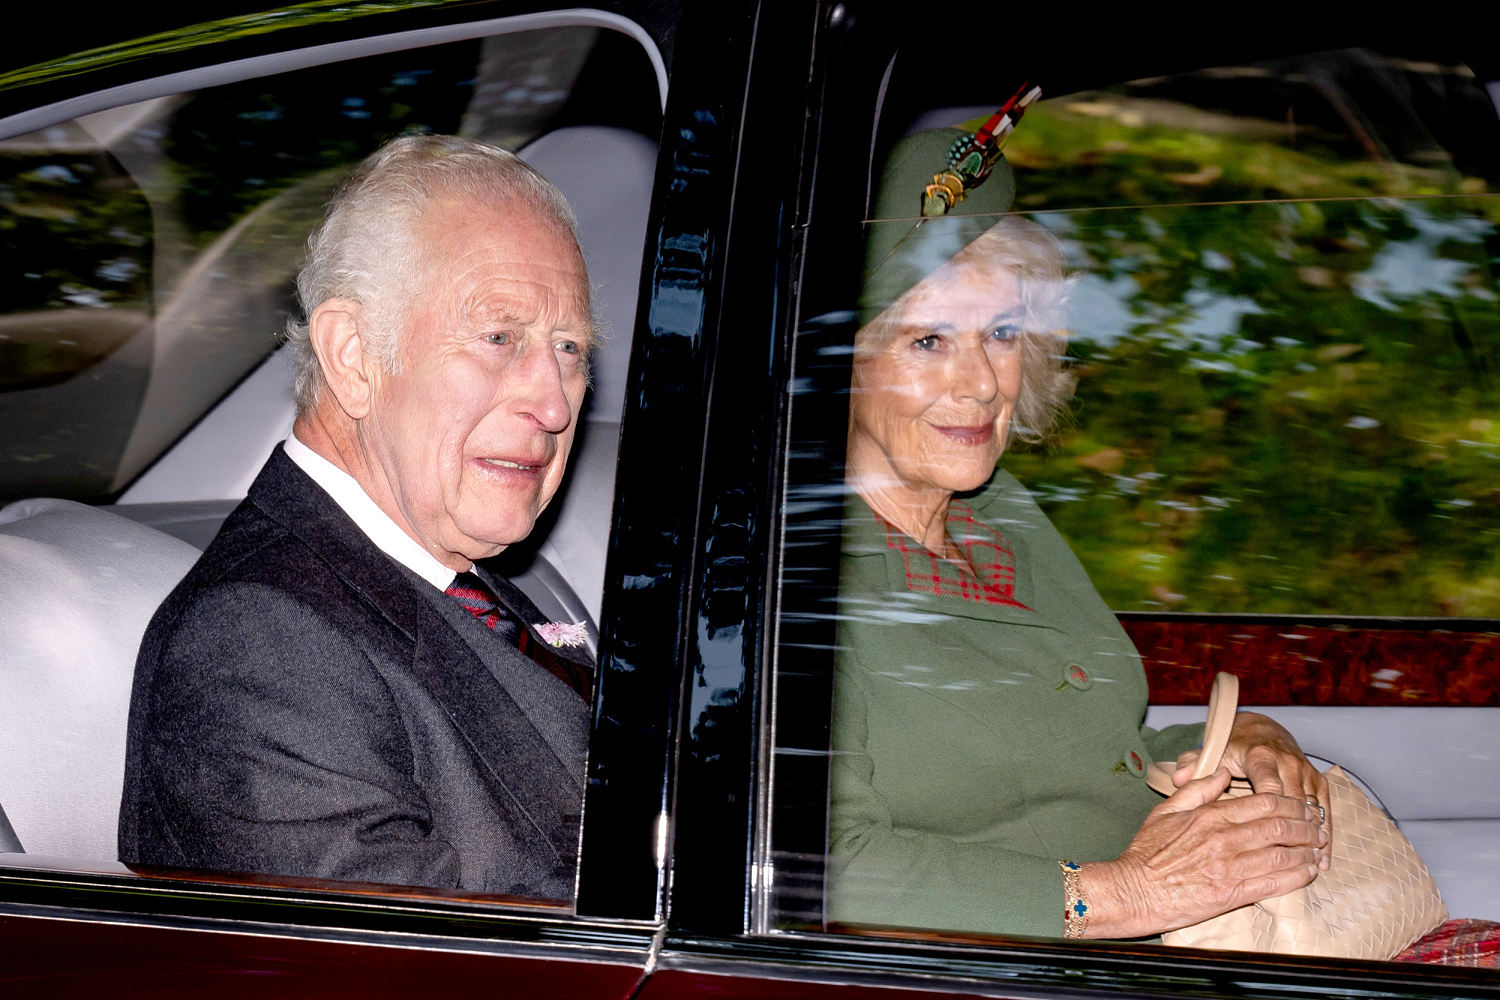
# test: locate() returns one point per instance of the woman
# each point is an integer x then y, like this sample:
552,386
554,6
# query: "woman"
988,747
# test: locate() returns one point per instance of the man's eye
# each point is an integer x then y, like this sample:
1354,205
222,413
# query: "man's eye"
927,343
567,347
497,338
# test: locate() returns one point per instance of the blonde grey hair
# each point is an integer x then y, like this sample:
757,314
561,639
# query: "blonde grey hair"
1037,260
366,248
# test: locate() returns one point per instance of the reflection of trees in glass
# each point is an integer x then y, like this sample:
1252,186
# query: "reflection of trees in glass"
1283,406
233,147
73,230
75,258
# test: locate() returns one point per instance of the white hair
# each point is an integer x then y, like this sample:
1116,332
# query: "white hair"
1036,257
366,249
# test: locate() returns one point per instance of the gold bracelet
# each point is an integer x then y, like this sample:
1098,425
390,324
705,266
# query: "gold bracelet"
1075,908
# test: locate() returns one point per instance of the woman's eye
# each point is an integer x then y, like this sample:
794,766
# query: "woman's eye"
928,343
497,338
1005,333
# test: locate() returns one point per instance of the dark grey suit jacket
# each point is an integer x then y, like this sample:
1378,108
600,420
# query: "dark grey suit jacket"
304,705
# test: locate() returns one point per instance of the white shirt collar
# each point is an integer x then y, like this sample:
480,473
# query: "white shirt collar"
374,522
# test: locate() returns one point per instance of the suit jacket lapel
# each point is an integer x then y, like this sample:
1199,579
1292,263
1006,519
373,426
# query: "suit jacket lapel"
571,664
514,753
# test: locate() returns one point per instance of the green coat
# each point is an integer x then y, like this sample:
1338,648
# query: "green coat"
969,753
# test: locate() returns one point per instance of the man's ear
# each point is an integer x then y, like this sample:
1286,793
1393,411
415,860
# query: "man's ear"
334,331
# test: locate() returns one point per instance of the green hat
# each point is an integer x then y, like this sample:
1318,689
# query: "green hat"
902,247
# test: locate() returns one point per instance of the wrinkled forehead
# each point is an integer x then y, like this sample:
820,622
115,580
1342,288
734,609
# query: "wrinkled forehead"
555,298
966,282
509,259
967,291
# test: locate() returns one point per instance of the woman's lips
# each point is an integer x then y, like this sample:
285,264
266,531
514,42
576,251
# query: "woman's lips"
974,434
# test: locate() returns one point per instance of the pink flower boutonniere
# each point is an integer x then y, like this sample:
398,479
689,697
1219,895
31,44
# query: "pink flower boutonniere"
563,633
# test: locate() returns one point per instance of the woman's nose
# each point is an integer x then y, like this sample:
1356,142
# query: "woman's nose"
974,376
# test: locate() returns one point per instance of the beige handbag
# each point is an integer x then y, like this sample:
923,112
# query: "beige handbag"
1375,898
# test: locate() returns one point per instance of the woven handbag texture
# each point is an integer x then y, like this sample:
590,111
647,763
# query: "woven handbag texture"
1376,898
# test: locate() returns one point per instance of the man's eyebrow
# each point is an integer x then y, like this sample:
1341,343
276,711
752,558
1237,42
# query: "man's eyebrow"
583,305
508,310
502,311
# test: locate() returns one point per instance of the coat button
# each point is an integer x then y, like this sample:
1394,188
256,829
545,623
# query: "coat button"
1074,675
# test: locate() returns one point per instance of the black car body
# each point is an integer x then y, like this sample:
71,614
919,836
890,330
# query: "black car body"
699,874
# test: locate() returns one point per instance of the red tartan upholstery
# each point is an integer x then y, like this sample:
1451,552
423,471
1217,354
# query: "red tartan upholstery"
1472,943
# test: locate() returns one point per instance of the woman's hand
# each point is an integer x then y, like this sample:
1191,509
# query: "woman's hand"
1263,752
1197,856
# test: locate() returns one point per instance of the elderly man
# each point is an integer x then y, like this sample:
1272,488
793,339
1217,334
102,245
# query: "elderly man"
335,689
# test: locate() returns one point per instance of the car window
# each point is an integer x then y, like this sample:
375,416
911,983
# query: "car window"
1330,310
1277,297
149,250
148,258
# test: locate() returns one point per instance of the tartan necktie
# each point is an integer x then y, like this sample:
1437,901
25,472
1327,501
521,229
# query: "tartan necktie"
480,601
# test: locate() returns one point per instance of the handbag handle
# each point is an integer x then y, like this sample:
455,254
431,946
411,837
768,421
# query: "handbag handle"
1223,702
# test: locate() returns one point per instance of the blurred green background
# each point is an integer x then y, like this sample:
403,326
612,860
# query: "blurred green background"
1286,342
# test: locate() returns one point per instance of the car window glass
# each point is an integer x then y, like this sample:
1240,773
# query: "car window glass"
149,250
148,255
1330,310
1281,318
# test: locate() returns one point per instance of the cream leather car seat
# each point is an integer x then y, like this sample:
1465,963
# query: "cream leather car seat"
78,584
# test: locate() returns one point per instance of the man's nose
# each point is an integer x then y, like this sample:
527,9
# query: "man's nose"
539,394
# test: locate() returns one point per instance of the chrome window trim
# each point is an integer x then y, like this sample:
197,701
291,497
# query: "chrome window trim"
1038,969
620,944
318,55
111,894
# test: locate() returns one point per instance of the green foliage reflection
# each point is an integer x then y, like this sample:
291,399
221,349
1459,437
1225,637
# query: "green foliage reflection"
1287,397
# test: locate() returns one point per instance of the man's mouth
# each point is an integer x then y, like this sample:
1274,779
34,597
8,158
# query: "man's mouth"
507,464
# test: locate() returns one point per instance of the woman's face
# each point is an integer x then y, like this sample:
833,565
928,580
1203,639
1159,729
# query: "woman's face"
936,379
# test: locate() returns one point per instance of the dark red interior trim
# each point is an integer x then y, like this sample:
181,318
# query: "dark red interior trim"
1280,664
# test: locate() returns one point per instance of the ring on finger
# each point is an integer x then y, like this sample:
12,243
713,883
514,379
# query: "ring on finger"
1322,813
